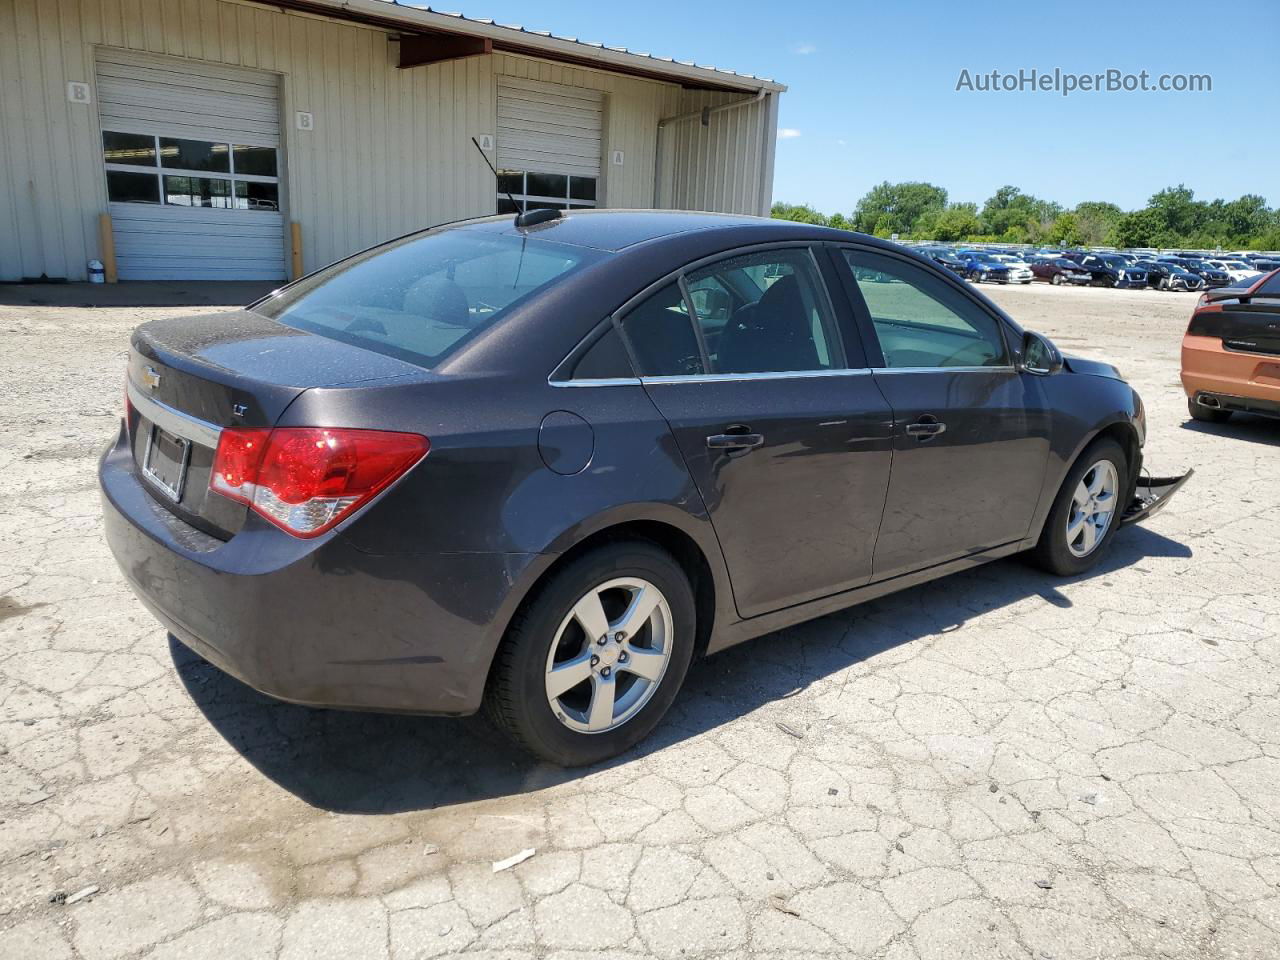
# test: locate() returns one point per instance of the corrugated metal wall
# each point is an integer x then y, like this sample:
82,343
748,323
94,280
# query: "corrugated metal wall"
391,149
726,166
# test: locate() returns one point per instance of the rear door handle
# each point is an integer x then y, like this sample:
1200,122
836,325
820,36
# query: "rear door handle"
738,441
926,428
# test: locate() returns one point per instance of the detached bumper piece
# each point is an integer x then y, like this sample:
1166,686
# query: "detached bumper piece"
1150,496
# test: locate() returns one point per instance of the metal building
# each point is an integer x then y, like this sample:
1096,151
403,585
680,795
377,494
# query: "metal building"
240,139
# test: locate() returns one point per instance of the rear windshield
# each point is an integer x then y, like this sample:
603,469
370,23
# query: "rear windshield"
422,297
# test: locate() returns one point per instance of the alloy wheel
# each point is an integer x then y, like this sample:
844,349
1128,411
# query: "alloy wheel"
1093,507
609,655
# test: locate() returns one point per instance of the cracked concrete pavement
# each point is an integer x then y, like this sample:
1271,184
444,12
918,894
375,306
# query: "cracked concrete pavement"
1000,764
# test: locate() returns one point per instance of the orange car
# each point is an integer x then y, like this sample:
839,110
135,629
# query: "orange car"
1231,352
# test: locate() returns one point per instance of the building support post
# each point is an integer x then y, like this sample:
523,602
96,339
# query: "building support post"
295,253
107,243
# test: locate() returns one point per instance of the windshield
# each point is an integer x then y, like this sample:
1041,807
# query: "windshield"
421,297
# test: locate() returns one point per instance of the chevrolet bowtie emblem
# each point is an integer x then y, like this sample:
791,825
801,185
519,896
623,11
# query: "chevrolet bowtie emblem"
150,377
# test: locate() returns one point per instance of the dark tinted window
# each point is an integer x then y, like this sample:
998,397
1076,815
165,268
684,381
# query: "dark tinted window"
661,336
195,155
256,161
251,195
764,313
132,187
420,297
605,359
920,320
131,148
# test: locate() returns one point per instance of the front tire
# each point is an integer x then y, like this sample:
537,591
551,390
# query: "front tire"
594,660
1057,280
1086,513
1206,414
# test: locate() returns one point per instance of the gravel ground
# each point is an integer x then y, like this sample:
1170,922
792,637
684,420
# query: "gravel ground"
1002,765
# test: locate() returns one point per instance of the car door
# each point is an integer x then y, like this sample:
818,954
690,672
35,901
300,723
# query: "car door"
777,416
971,437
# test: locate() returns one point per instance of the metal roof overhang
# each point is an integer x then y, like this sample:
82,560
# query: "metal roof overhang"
439,36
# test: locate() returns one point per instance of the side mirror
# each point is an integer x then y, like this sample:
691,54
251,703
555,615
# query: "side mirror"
1040,356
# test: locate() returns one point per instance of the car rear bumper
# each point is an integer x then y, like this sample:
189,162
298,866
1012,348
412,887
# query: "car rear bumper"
316,622
1235,380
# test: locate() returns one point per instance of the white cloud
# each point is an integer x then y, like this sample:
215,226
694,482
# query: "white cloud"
840,143
804,49
788,133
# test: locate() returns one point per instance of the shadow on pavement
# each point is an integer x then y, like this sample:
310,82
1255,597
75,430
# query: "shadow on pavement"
1241,426
372,763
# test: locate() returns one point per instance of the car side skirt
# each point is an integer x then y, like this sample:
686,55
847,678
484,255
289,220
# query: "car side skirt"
733,633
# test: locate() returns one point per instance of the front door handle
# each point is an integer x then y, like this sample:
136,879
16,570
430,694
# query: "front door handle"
736,440
926,428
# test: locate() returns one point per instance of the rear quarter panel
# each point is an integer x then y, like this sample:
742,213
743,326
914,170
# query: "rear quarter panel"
485,487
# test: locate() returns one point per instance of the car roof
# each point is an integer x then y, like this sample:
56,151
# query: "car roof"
614,230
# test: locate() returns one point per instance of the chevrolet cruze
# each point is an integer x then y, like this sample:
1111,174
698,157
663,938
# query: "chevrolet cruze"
539,465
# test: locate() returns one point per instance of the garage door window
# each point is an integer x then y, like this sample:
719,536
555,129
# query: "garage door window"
190,173
544,191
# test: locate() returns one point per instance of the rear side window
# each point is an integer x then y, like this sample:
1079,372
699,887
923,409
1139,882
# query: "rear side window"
662,337
764,313
606,359
422,297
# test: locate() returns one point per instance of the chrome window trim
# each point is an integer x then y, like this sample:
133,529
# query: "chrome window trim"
1003,368
599,382
771,375
174,421
767,375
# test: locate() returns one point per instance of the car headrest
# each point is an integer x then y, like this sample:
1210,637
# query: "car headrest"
440,300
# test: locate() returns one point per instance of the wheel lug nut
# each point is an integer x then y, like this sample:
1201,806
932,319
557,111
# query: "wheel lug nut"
602,640
594,660
622,657
604,672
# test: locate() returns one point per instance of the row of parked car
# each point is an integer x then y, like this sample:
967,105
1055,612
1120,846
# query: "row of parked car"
1123,269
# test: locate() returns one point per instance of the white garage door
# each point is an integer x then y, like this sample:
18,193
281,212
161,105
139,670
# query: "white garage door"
192,158
549,138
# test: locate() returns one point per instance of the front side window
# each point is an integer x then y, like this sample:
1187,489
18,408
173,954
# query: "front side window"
763,313
421,297
178,172
544,191
919,320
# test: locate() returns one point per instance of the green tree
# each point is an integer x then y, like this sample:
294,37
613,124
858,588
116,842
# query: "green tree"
1066,230
1017,216
895,207
958,221
797,211
1142,228
1178,212
1097,221
838,221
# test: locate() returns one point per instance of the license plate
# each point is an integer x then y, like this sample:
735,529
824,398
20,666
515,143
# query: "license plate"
165,462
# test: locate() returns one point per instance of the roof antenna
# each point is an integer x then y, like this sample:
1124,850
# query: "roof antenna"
530,218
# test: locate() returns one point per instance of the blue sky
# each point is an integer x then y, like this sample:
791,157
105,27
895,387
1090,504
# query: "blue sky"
872,90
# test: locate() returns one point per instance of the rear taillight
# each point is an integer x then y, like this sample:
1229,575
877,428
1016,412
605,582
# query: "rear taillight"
307,479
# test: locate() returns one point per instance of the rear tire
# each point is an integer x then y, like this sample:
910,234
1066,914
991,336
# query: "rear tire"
549,634
1206,414
1074,539
1057,280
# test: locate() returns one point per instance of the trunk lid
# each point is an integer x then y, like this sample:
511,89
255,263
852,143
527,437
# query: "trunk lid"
190,377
